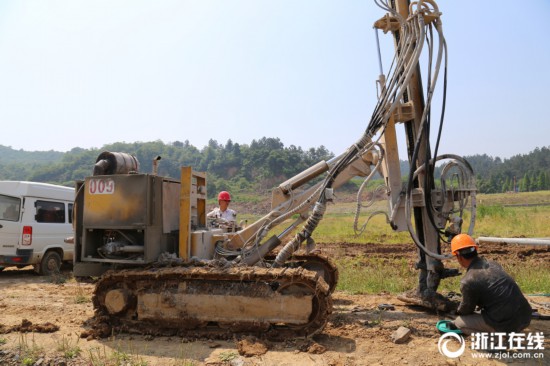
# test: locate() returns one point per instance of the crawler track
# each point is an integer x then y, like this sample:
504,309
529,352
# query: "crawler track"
211,301
317,263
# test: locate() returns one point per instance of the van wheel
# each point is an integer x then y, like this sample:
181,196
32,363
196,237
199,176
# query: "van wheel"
50,264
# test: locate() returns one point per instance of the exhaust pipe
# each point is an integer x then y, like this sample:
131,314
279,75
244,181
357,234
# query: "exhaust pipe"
156,165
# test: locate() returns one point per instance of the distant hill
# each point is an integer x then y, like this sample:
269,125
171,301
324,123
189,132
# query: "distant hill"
522,172
250,168
9,155
20,164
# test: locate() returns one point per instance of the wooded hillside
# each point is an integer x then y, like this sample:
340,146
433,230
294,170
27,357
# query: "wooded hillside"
249,168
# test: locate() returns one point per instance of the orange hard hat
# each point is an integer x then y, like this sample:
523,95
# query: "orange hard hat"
224,196
462,241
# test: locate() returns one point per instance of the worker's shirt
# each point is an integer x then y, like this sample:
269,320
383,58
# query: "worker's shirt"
489,287
228,215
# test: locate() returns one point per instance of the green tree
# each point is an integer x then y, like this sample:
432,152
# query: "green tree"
525,184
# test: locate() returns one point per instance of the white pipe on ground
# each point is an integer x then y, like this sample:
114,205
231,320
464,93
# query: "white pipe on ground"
522,241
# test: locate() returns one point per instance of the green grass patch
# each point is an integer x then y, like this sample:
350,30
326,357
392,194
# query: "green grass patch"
81,297
338,228
500,221
29,351
115,357
532,278
514,198
68,348
228,356
486,212
362,275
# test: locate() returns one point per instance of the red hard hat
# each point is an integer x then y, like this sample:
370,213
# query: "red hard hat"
224,196
462,241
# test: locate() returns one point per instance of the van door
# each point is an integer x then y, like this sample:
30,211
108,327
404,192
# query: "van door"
52,227
10,225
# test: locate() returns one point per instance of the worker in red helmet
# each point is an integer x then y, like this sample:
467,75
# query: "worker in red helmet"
223,211
502,306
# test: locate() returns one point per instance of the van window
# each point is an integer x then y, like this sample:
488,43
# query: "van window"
51,212
9,208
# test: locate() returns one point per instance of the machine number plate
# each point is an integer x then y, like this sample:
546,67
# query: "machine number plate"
101,186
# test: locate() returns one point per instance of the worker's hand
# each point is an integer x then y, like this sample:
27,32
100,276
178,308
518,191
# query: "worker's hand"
219,222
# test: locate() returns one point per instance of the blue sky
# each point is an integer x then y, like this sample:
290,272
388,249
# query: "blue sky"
77,73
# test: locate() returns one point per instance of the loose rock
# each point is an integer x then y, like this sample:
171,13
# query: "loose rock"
251,346
401,335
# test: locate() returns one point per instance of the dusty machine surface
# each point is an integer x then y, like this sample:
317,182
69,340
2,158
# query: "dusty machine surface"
165,269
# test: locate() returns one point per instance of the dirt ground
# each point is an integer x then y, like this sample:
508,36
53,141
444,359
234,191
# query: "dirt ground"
42,323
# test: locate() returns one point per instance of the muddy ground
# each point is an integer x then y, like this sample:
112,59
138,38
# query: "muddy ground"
42,323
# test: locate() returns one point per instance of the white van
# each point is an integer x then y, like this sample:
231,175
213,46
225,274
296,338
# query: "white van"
35,218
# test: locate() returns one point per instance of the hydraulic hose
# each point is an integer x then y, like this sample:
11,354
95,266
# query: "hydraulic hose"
309,227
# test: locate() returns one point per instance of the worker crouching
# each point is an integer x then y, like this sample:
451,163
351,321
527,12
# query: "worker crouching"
487,286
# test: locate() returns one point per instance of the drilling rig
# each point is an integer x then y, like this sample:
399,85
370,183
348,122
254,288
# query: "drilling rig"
166,269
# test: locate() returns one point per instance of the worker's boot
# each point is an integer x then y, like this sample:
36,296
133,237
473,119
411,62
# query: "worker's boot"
422,281
432,283
430,298
428,281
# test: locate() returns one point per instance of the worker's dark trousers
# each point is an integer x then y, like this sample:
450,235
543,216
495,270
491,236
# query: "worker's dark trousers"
473,323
